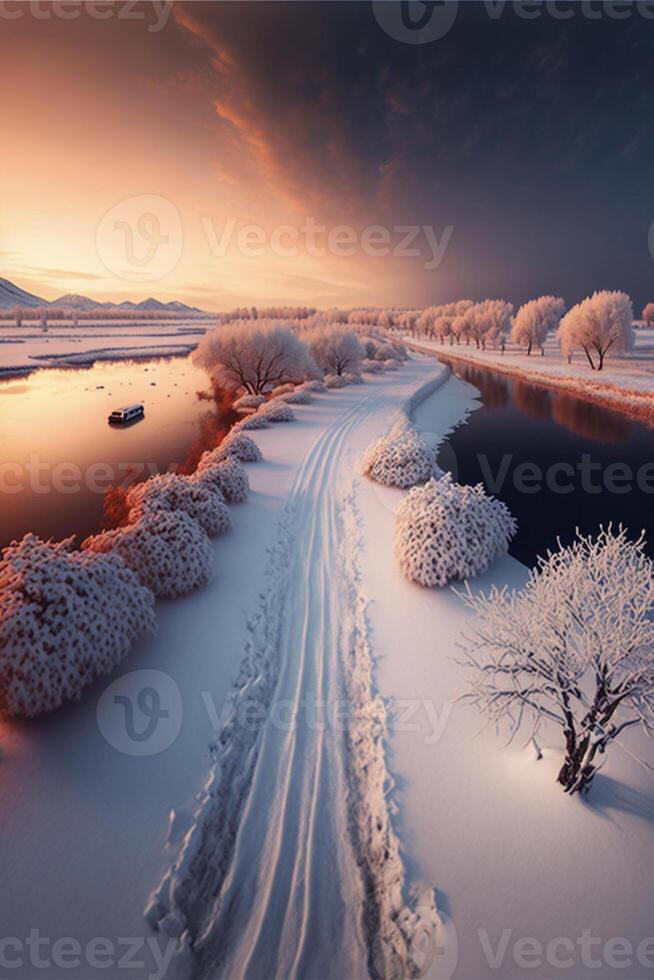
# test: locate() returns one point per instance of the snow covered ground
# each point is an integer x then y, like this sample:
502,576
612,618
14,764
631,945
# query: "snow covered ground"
281,852
24,349
626,382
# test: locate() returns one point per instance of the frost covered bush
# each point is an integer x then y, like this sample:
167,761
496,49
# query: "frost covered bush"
600,323
445,531
168,550
236,445
400,459
353,379
174,492
299,396
372,367
66,617
249,401
314,385
227,475
335,381
255,421
389,365
282,390
277,411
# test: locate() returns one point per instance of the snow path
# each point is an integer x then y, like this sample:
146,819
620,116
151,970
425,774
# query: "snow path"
290,867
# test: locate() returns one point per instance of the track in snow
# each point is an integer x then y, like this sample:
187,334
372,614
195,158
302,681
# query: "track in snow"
291,867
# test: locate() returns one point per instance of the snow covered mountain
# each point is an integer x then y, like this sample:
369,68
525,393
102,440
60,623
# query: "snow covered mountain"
11,295
73,301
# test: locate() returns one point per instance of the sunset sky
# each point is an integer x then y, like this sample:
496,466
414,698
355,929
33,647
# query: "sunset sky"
532,139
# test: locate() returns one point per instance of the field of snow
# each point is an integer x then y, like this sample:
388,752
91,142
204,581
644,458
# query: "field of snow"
626,382
269,829
27,348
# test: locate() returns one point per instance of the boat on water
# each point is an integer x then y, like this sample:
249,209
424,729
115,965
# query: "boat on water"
129,414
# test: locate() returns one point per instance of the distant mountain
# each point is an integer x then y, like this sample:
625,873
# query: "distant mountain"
73,301
11,295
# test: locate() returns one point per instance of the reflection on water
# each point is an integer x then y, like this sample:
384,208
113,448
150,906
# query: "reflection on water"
587,420
538,402
587,465
58,454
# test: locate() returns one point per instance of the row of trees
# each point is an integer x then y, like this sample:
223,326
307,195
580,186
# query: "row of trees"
256,356
600,324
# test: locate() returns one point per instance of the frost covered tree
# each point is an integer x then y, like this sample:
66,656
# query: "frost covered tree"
489,321
66,617
335,349
575,648
445,531
534,321
254,355
648,315
601,323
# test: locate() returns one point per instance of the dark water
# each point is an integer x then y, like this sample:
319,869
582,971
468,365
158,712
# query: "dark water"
58,455
558,462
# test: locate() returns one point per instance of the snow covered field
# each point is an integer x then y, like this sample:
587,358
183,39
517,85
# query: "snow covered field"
27,348
625,383
282,856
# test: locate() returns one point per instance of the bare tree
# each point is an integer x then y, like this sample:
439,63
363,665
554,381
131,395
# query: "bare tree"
574,648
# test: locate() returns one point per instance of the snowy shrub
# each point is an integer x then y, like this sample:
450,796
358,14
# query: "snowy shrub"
174,492
66,617
353,379
389,365
249,401
277,411
600,323
297,397
535,320
254,355
227,475
648,314
400,459
335,349
445,531
236,445
372,367
335,381
314,385
253,422
168,550
282,390
573,648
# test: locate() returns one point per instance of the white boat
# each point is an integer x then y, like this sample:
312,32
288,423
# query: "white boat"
128,414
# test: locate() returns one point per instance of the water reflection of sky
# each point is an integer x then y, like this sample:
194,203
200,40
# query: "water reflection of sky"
530,424
57,451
